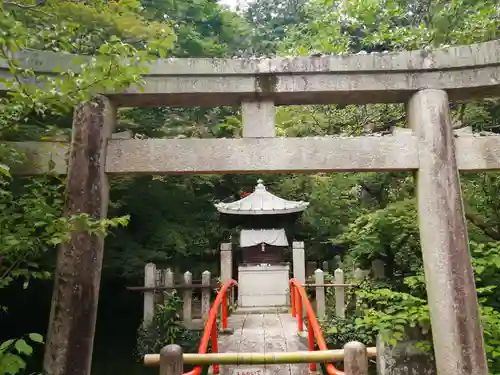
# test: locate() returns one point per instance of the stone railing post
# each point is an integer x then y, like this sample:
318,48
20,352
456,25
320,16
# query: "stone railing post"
325,266
299,264
187,298
319,278
149,296
337,261
205,294
406,358
159,281
355,359
169,282
339,294
171,362
378,269
310,268
226,262
360,274
451,291
226,265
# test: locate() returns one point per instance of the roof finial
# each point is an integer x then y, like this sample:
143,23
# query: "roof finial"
260,185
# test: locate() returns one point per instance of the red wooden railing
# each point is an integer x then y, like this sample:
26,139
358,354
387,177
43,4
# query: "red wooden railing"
298,298
210,331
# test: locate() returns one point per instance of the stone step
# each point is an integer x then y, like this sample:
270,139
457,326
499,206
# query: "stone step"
262,310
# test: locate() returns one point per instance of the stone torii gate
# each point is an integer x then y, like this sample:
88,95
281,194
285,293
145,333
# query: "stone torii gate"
426,81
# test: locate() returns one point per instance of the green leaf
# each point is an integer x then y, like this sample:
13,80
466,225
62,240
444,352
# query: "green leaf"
36,337
11,364
22,347
4,170
5,345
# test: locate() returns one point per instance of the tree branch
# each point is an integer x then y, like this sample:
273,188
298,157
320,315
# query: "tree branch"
481,224
24,6
457,122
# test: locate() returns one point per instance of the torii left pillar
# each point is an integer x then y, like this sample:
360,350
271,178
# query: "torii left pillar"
73,314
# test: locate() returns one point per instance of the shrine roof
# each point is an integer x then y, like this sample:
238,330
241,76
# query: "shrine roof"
261,202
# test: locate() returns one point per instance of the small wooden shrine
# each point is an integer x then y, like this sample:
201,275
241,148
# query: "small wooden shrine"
262,274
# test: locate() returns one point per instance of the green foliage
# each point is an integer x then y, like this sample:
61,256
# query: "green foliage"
317,120
391,25
84,26
399,314
166,328
30,225
482,208
31,209
390,234
271,20
31,221
392,313
338,331
13,353
203,27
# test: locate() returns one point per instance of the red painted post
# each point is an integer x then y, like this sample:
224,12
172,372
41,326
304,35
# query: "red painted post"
292,300
224,310
298,302
215,346
310,342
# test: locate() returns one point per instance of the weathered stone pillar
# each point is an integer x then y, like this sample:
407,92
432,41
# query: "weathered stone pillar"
339,293
226,265
258,118
206,279
171,361
310,268
325,266
187,298
404,359
319,278
451,291
378,269
360,274
226,262
70,337
168,275
158,298
337,261
149,296
355,359
299,261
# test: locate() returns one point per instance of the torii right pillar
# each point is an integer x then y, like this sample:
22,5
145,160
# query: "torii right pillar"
454,311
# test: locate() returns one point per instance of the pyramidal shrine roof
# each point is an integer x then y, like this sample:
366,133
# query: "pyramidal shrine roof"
261,202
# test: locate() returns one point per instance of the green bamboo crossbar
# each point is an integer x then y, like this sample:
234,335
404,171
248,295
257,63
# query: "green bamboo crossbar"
319,356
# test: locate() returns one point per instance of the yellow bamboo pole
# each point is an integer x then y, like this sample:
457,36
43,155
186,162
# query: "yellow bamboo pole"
258,358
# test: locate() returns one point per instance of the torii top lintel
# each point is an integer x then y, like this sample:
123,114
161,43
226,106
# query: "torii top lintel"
261,202
464,72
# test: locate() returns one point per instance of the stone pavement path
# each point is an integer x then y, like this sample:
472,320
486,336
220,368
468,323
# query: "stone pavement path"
270,332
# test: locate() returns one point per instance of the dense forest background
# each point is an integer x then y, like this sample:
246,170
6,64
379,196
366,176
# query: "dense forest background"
171,220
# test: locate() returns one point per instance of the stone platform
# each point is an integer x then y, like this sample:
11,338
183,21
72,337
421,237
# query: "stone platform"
263,333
